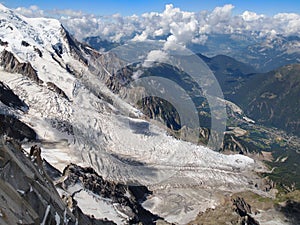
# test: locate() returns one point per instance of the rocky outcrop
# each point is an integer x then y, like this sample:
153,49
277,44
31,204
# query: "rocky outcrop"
232,210
244,211
11,64
62,125
28,195
25,43
234,144
57,90
9,98
161,110
38,51
72,71
124,195
119,79
35,153
58,60
58,48
242,207
76,48
16,129
3,43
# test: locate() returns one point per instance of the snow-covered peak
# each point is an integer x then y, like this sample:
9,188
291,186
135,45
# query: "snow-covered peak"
3,8
43,43
39,32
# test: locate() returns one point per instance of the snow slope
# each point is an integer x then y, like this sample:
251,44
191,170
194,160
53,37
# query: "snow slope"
87,130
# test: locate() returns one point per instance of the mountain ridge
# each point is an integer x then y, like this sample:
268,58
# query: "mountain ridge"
274,102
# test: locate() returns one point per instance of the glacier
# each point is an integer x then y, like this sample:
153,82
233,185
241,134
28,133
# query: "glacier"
90,131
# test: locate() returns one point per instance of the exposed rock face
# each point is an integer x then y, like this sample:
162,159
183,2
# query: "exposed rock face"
62,125
244,210
119,79
25,44
161,110
72,71
232,210
117,192
9,98
242,207
28,196
12,65
75,47
3,43
35,152
57,90
35,198
16,129
38,51
58,48
234,144
58,59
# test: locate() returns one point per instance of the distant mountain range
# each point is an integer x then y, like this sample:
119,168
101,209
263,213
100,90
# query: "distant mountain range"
269,98
272,98
262,53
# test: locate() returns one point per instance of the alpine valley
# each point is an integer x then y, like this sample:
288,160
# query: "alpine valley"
74,149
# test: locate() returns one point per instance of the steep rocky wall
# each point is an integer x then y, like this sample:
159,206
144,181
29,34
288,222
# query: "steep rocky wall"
27,194
16,129
9,98
11,64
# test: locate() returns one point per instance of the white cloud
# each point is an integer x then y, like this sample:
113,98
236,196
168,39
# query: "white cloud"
288,22
65,12
220,14
173,25
155,56
34,8
32,11
251,16
141,37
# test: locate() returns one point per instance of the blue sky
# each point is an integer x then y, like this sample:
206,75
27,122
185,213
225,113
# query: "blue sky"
107,7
